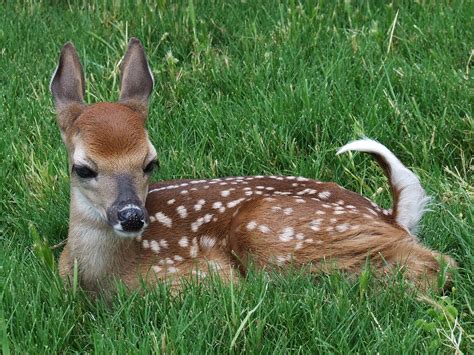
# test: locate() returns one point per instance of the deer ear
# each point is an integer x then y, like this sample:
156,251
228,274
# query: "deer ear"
68,87
137,81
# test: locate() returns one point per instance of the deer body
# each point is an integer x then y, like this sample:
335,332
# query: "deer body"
123,228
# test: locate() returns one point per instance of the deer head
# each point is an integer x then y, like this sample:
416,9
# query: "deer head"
110,155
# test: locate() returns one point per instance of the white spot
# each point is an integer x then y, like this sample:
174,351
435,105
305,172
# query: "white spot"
287,234
264,228
182,211
340,202
248,193
170,202
326,206
223,183
338,208
208,218
251,225
199,204
152,219
300,236
225,193
342,227
324,195
155,246
169,261
288,211
163,219
184,184
298,245
351,207
315,224
333,220
300,200
197,182
207,242
172,269
163,243
184,192
183,242
193,251
320,212
156,268
339,212
276,208
269,188
300,178
307,192
145,244
371,211
234,203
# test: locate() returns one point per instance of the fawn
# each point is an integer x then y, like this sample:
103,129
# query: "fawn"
121,228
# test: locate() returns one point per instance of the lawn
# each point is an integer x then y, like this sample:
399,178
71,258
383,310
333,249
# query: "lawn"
245,87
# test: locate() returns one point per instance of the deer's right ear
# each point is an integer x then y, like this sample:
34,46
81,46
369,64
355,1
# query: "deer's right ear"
137,81
68,87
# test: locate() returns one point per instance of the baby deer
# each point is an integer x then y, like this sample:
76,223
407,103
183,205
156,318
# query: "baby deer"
121,228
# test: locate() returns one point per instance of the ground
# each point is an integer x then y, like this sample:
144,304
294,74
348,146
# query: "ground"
242,88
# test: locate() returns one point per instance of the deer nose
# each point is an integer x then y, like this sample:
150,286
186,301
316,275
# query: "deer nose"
131,219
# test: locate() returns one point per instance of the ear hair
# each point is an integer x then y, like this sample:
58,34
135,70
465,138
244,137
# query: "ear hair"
68,87
137,81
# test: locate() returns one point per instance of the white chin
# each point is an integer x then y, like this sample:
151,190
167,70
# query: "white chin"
123,234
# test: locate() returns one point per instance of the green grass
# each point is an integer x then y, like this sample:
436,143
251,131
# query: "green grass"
245,88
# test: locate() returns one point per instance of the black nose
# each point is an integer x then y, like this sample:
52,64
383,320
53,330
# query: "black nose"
131,219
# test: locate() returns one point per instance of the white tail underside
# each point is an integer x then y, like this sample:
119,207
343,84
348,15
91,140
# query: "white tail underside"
412,198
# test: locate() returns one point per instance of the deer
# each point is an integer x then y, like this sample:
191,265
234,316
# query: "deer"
124,228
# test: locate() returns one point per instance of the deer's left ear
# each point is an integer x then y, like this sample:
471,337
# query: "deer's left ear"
137,81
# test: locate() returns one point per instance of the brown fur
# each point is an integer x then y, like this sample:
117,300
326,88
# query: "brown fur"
377,238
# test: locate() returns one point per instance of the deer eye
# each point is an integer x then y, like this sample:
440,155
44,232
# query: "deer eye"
150,167
84,172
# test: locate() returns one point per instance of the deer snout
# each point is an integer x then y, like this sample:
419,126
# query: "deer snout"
128,219
131,218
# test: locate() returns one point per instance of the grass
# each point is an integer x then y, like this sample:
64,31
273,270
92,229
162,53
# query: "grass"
245,88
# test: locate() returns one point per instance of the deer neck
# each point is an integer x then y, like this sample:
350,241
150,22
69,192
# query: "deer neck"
100,253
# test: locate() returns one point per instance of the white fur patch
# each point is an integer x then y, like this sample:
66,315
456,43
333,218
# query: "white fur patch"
251,225
163,219
412,198
183,242
182,211
287,234
324,195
